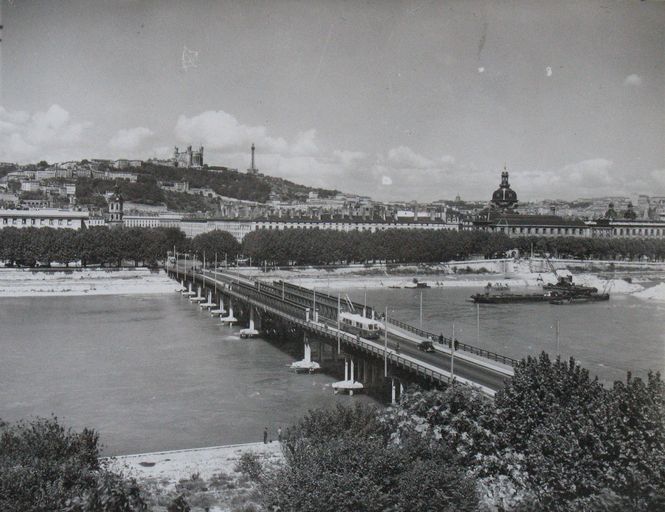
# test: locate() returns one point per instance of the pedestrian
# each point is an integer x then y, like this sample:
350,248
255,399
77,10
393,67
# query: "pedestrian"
265,435
279,434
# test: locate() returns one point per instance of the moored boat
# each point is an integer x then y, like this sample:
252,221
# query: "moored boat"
509,298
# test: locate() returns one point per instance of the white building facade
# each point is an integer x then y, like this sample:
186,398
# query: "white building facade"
52,218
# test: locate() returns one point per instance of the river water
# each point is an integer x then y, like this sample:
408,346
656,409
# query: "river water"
155,373
148,372
608,338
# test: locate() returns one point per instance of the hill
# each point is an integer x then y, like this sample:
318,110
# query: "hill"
223,181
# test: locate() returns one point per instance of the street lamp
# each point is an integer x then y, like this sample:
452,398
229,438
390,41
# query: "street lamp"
452,357
478,323
385,344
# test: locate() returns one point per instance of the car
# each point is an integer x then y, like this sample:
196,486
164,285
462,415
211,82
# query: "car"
426,346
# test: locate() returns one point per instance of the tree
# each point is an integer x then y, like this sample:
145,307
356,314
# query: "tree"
635,450
45,467
348,459
217,241
581,445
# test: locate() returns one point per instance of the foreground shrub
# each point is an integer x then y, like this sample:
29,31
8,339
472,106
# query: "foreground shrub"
330,466
250,465
44,467
553,439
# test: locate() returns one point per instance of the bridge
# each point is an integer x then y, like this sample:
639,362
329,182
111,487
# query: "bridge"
316,314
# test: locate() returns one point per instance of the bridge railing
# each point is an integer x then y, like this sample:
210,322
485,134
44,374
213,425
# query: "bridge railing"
298,307
381,351
261,296
323,297
488,354
296,313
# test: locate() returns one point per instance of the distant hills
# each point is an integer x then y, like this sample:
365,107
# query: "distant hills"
146,190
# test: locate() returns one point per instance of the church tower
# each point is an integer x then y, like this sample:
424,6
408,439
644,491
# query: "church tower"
115,209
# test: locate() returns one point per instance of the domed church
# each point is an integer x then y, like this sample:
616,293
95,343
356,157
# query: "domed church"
501,216
504,197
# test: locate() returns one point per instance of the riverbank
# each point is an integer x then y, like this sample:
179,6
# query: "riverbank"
77,282
341,279
206,476
499,273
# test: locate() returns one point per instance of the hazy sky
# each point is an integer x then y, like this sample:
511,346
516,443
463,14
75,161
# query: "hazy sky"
414,100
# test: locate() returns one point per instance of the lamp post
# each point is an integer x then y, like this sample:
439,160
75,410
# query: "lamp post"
385,344
452,357
421,310
339,309
478,323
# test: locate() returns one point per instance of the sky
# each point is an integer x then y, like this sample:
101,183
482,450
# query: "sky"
398,100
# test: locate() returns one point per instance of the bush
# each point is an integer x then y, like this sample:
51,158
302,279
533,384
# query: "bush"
345,459
44,467
179,504
250,465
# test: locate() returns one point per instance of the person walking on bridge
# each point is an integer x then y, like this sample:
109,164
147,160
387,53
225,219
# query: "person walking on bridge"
265,435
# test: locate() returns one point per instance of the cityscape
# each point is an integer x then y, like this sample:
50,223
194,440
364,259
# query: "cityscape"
332,256
43,194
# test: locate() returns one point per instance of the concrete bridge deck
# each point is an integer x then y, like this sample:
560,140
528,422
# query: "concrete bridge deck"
294,304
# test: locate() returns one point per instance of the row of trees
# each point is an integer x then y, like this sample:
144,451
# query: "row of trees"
302,247
103,246
594,248
316,247
97,245
553,439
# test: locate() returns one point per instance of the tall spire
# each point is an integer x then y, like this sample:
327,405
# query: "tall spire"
252,167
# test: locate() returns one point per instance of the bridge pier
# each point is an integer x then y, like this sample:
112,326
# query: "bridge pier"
230,318
221,309
292,309
395,391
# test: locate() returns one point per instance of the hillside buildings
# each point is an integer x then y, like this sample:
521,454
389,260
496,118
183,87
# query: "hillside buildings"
38,192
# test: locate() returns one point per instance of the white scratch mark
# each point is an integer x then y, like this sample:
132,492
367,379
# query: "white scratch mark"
323,54
548,71
481,69
190,58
